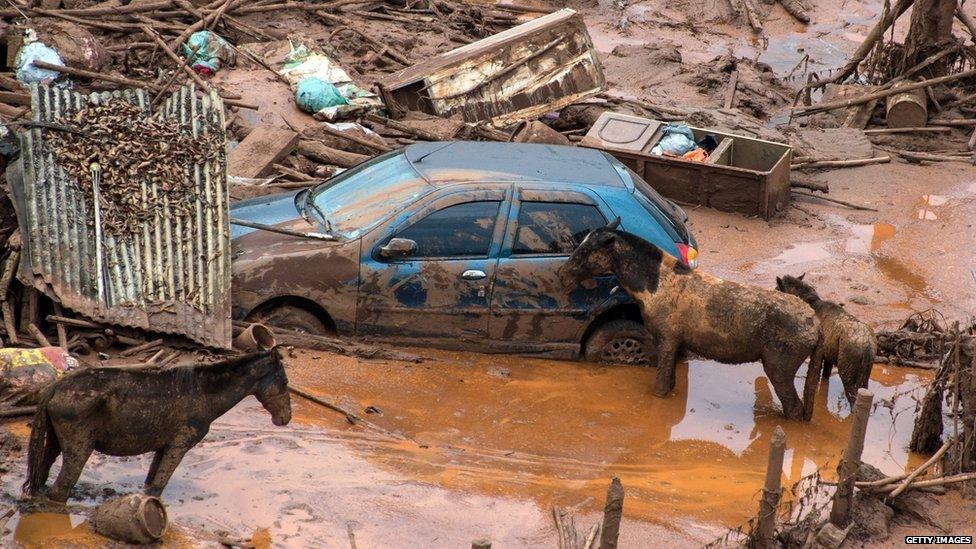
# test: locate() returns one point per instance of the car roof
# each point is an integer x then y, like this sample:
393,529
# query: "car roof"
465,161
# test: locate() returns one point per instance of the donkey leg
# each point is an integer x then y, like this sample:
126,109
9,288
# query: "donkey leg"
72,462
780,372
667,353
163,466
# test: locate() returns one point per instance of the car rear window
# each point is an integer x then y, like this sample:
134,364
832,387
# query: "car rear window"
359,198
554,227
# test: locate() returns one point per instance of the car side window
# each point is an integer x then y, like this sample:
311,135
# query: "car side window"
554,227
459,230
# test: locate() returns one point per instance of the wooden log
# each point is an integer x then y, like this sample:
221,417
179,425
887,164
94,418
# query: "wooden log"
96,75
952,122
906,110
867,45
730,90
930,157
62,331
769,503
17,411
372,145
880,94
260,150
9,267
134,518
612,512
908,129
294,174
840,512
921,468
836,201
843,163
76,322
319,152
332,344
38,335
142,347
8,322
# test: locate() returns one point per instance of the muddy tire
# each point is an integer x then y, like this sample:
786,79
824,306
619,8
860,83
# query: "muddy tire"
291,317
621,341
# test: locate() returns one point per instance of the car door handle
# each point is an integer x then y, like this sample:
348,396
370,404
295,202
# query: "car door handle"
473,274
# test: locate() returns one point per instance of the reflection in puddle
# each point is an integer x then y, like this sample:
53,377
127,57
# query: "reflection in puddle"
899,272
554,432
869,238
803,252
928,215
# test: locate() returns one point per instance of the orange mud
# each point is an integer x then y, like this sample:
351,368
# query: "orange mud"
556,432
483,447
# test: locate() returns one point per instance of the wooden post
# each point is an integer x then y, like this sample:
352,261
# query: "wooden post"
612,512
840,513
766,527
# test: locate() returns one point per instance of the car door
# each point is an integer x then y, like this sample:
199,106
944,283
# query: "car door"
443,287
528,301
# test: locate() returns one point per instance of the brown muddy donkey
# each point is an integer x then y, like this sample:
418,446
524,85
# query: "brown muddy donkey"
122,412
848,343
716,319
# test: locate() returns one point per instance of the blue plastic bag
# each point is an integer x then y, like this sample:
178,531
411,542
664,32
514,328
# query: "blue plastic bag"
314,94
676,140
36,51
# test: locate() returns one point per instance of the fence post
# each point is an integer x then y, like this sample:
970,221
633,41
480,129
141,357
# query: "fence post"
840,513
766,527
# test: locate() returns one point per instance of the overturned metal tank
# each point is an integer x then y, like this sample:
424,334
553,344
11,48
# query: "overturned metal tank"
172,275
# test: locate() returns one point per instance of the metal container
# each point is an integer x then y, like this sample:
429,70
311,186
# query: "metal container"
744,175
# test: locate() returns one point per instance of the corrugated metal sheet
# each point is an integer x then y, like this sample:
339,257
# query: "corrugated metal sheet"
174,277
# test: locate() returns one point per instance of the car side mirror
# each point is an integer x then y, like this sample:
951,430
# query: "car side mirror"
398,247
682,214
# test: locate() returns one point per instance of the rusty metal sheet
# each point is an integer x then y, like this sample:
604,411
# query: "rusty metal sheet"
172,278
521,73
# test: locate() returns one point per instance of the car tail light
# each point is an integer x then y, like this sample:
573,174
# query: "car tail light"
689,255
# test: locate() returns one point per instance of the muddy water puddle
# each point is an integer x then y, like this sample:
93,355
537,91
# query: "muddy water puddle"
555,432
488,444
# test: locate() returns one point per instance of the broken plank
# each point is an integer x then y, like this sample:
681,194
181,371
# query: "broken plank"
264,147
730,91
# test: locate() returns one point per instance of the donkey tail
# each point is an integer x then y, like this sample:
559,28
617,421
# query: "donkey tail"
43,443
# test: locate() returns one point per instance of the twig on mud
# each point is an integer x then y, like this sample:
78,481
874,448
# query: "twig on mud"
350,417
834,200
921,468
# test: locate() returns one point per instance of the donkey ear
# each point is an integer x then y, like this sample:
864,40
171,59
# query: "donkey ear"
605,237
779,282
801,276
614,224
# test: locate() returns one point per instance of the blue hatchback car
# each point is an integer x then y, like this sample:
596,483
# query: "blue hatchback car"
455,245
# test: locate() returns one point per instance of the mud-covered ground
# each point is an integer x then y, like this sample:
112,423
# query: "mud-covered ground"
483,446
476,445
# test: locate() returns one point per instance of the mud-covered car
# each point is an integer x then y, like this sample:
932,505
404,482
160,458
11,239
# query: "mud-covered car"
454,245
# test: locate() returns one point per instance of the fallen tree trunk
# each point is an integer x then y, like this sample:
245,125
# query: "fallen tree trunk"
319,152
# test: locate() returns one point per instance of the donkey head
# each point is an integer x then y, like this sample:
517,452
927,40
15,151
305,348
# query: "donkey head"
272,389
593,257
796,286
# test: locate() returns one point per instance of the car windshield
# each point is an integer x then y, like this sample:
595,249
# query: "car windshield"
354,201
655,204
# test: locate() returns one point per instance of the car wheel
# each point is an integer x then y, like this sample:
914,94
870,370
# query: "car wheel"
291,317
621,341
